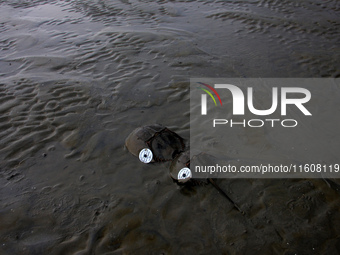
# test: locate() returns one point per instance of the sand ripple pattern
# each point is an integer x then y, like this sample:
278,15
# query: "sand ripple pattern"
125,39
34,114
76,76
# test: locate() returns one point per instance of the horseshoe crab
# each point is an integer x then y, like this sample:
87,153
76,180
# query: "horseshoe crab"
154,143
180,172
179,168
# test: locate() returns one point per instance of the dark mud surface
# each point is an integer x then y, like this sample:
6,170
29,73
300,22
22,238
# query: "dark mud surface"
76,77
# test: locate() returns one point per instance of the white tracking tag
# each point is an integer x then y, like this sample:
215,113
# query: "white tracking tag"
145,155
184,173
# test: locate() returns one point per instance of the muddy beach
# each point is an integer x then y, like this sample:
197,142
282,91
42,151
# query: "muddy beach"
76,77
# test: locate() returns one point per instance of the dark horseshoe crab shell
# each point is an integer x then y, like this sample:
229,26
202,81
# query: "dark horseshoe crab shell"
182,162
164,143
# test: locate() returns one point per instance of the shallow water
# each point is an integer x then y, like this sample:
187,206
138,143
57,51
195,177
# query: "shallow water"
78,76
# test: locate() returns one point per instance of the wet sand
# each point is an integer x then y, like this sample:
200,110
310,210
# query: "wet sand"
77,77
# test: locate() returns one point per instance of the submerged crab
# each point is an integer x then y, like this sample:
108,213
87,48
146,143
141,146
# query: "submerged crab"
180,172
179,169
154,143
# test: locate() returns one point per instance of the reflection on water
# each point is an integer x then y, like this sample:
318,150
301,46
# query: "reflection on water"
78,76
